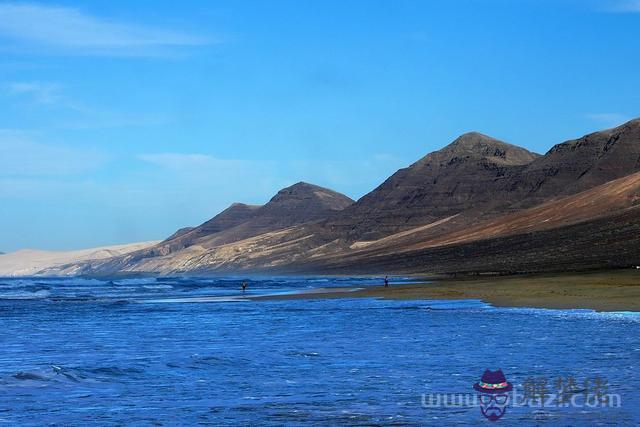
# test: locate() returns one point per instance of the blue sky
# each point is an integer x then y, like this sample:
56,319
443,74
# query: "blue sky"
122,121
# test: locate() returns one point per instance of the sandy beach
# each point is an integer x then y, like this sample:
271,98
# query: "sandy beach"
617,290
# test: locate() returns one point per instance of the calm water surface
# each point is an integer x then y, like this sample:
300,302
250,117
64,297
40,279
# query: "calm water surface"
76,352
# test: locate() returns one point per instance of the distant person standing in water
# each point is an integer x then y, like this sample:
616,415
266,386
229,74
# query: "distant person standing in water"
386,281
244,287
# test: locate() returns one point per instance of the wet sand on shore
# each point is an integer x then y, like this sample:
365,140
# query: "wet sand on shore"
615,290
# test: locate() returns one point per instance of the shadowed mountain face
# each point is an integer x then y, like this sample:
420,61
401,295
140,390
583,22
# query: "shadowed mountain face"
301,203
620,197
234,215
297,204
469,174
583,163
293,205
477,177
450,211
180,232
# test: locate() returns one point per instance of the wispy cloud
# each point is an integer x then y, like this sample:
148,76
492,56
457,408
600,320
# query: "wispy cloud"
193,162
39,92
608,119
73,31
620,6
187,176
43,94
348,176
53,96
23,156
100,119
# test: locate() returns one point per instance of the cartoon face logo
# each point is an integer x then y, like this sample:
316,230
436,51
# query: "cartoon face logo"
493,390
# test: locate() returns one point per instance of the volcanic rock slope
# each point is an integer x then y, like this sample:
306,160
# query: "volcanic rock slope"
469,174
216,242
437,215
584,189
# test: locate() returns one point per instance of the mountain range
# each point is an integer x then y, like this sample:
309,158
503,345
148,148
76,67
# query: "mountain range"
479,205
29,262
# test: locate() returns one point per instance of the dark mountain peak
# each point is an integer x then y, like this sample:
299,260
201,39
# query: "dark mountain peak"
302,185
240,207
180,232
298,188
305,195
470,173
235,214
627,132
579,164
475,146
630,126
294,205
633,123
471,139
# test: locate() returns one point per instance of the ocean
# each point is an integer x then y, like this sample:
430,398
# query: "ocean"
189,351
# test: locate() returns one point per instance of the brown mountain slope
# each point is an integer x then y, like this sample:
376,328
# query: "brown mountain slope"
468,174
297,204
179,232
234,215
608,242
453,222
477,177
580,164
605,200
597,202
475,190
291,206
297,249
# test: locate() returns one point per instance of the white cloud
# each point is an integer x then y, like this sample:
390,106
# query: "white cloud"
85,117
41,93
22,156
254,178
193,162
73,31
621,6
204,184
348,176
45,94
608,119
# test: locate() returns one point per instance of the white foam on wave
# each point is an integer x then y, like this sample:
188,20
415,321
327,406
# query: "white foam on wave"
157,287
629,316
138,281
193,300
25,295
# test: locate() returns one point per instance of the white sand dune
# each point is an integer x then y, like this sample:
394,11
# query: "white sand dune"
28,262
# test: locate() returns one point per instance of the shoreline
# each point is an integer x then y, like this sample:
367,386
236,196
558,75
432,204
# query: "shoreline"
615,290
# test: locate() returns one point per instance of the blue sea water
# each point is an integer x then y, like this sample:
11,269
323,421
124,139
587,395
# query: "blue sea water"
150,352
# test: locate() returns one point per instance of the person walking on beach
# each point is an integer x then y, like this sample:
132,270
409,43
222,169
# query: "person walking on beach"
244,287
386,281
